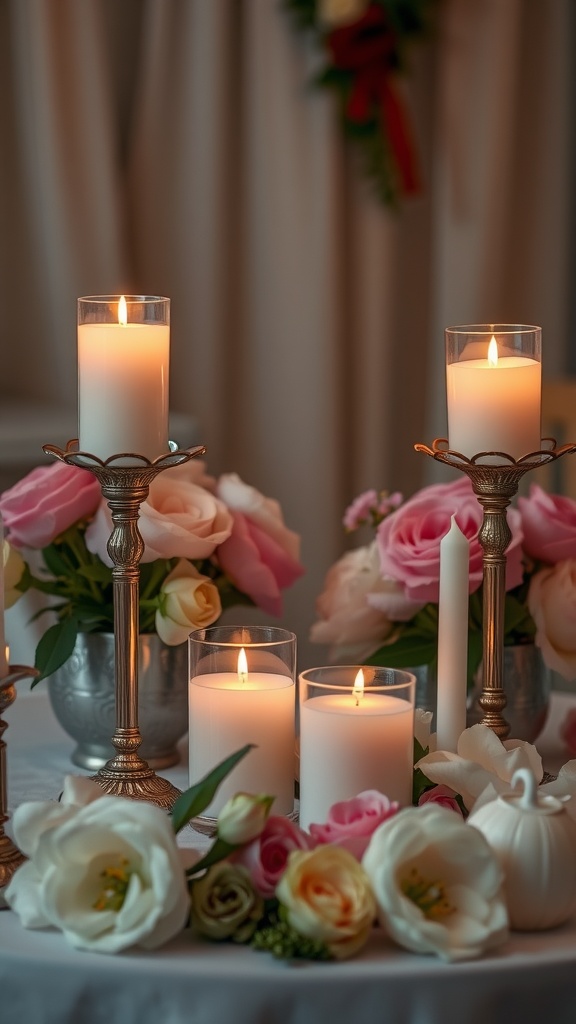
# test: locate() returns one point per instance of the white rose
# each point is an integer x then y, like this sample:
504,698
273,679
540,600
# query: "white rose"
188,601
243,817
437,888
347,620
108,874
552,605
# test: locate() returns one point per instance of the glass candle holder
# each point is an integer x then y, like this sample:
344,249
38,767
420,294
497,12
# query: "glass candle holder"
356,733
493,386
123,365
242,690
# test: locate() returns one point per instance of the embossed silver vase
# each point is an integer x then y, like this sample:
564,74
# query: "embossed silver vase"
527,685
82,698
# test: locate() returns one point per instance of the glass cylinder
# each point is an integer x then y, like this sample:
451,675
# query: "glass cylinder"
493,386
242,690
123,367
356,733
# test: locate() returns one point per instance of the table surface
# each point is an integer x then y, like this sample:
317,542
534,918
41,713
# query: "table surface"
44,981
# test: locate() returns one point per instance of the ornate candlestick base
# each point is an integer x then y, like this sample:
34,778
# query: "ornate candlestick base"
10,856
494,484
125,481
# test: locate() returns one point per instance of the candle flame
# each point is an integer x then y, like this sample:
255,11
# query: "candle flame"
493,352
358,691
122,311
242,666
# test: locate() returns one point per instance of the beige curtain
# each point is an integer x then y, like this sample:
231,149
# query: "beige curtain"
175,147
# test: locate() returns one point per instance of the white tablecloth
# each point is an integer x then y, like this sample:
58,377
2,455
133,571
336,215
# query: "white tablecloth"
43,981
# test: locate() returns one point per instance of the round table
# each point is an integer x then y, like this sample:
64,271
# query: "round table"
529,980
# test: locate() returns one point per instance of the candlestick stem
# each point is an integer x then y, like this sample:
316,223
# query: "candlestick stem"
10,856
125,481
494,483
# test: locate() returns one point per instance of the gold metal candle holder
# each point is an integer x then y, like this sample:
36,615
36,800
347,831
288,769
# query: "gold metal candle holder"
494,485
10,856
125,481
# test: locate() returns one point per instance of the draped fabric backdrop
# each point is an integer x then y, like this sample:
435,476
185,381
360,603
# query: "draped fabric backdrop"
176,147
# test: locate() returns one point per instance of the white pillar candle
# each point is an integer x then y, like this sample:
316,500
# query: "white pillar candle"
349,744
123,387
228,710
3,649
494,404
452,637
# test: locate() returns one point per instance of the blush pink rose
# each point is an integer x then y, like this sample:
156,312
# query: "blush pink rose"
568,731
548,525
261,555
179,519
409,539
266,857
348,619
350,823
552,605
442,795
46,502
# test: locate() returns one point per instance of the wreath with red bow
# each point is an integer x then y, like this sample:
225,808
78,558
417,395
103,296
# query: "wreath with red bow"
365,43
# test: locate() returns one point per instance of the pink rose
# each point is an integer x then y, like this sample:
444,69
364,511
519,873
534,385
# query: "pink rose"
370,507
548,525
442,795
46,502
267,856
349,621
261,556
409,539
179,519
351,823
568,731
552,605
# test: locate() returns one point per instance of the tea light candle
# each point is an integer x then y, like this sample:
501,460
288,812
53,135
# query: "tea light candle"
228,710
352,741
4,667
123,386
494,403
452,637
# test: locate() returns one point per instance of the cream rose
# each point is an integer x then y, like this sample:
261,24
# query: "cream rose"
437,888
243,817
327,897
552,605
107,874
187,601
225,904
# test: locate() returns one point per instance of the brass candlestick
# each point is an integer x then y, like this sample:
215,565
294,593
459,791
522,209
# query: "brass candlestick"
10,856
494,485
125,481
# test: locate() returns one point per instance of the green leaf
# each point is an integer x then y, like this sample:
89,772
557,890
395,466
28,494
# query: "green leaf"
97,572
219,850
55,647
54,561
196,799
407,652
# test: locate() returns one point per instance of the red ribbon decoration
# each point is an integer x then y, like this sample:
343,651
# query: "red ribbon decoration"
366,48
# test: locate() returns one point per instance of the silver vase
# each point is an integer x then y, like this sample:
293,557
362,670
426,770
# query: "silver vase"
82,698
527,685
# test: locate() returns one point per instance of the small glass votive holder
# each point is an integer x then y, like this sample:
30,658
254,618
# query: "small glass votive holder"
243,690
123,370
356,733
493,387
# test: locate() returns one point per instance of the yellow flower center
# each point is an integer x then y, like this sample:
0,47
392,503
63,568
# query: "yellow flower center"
429,895
115,882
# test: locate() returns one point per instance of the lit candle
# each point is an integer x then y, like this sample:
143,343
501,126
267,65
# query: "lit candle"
353,739
123,359
452,637
230,709
494,397
3,649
